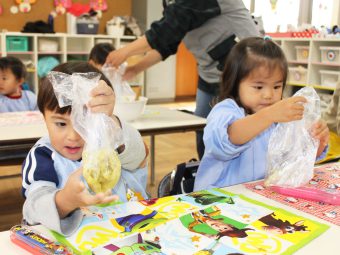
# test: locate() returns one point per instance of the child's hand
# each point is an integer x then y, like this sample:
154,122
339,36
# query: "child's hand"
288,109
75,195
103,99
320,131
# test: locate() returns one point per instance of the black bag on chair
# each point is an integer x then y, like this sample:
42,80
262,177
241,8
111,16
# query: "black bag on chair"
179,181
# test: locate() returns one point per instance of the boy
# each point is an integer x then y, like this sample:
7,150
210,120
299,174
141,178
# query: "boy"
52,170
98,54
12,97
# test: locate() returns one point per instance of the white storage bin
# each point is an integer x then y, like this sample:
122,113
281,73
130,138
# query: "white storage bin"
297,75
302,53
329,78
114,30
330,54
47,45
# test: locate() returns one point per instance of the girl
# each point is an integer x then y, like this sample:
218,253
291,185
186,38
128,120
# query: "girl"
239,126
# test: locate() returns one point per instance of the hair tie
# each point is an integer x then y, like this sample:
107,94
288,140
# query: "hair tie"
267,38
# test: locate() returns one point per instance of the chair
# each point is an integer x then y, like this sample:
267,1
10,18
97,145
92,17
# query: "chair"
180,180
166,184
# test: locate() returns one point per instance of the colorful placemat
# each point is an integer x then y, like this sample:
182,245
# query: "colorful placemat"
9,119
212,222
326,177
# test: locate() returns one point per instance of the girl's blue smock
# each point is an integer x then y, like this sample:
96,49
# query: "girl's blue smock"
225,163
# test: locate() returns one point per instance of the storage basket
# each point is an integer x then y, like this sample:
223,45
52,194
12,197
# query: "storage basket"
330,54
87,26
46,45
297,75
329,78
302,53
16,43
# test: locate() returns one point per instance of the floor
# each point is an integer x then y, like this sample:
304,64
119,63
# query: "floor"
170,150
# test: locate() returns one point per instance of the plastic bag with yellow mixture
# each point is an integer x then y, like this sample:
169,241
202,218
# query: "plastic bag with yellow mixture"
101,165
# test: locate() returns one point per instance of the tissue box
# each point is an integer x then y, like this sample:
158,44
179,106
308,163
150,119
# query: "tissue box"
330,54
297,75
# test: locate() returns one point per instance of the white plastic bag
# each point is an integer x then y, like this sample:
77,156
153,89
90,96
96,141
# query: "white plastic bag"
292,150
101,166
121,88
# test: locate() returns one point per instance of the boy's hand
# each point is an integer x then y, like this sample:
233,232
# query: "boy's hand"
75,195
286,110
320,131
103,99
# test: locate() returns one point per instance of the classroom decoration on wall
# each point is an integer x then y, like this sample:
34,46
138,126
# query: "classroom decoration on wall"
326,177
62,5
23,6
0,9
201,223
98,5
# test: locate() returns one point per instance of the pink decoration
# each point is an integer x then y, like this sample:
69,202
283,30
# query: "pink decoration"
64,3
98,5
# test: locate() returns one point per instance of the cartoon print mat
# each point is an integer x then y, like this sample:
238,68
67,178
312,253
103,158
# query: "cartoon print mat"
9,119
202,223
326,177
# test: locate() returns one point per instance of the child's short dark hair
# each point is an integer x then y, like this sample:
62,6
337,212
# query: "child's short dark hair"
15,65
246,56
46,97
100,52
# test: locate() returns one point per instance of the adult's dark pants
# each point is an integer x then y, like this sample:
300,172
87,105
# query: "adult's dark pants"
205,97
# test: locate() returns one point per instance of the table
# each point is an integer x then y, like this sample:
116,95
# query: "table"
328,243
155,120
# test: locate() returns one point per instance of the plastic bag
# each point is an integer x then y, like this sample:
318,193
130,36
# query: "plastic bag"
122,88
101,165
292,150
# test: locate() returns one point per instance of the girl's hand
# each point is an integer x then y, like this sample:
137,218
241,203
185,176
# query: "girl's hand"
117,57
75,195
103,99
286,110
320,131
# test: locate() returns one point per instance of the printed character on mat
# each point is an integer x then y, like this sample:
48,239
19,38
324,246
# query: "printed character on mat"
250,105
216,224
12,97
52,170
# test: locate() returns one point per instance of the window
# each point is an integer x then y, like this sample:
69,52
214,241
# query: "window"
277,14
322,13
247,3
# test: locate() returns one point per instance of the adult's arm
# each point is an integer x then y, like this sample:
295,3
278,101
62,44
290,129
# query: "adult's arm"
166,34
151,58
117,57
178,19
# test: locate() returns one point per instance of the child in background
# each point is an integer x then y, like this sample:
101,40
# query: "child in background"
51,173
250,104
98,54
12,97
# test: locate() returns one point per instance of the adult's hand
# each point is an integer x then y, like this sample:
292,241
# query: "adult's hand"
117,57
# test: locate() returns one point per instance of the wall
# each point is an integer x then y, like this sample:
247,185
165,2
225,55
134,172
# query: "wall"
42,8
186,72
